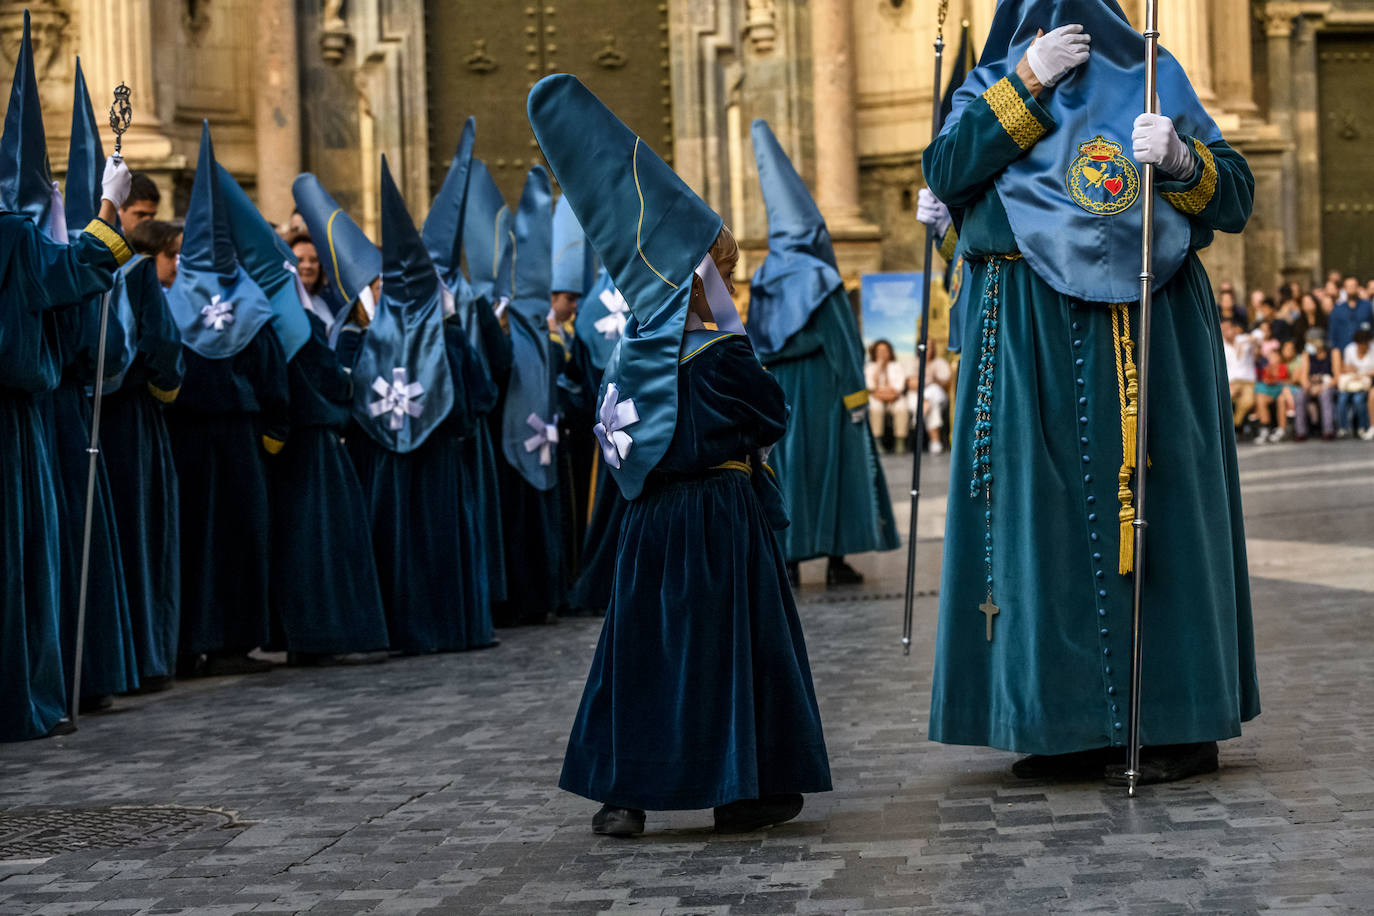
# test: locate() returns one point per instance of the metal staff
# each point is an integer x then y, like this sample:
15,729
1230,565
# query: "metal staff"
921,350
1147,279
121,114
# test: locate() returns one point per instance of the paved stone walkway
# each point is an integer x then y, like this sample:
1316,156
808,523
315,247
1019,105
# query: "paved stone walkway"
429,783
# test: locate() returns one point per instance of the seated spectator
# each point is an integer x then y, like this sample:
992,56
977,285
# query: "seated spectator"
1272,397
1240,369
1252,311
1226,301
1288,315
1349,313
886,384
937,398
142,202
160,240
1355,381
1315,386
1312,317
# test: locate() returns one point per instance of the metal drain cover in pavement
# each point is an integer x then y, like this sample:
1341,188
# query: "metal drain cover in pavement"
37,833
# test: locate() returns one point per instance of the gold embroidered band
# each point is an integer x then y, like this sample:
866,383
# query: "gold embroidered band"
856,400
1196,199
113,240
1011,110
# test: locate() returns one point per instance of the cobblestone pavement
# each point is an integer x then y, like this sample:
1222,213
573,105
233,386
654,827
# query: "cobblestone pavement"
429,783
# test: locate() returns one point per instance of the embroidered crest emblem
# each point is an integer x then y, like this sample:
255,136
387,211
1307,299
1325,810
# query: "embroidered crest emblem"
1102,180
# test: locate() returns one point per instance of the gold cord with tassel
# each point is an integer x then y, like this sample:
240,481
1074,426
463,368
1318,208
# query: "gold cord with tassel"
1128,391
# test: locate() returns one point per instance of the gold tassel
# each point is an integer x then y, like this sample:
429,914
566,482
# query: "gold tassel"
1126,562
1128,419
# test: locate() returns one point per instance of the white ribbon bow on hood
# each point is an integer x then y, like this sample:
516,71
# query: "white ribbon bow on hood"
544,439
615,415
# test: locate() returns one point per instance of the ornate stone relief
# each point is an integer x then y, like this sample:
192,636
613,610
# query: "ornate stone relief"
760,25
610,57
334,33
479,61
48,31
195,19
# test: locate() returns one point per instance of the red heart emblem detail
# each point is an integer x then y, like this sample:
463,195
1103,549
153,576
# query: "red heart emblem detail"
1114,185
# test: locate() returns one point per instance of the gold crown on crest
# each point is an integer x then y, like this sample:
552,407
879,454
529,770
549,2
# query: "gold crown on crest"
1100,149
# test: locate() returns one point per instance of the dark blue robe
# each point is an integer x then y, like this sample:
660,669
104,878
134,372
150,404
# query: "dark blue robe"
325,592
230,412
36,275
700,691
431,558
143,480
493,360
109,664
531,521
592,589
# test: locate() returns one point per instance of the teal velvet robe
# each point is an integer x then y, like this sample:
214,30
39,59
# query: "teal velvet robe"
827,463
36,274
143,480
700,691
1056,676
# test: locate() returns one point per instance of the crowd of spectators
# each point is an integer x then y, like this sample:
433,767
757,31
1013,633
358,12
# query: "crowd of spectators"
1300,363
892,397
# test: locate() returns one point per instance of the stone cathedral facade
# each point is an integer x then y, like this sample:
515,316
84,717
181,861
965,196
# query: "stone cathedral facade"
329,85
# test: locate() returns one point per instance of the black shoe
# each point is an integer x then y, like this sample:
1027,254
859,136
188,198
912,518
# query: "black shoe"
750,814
221,665
487,645
156,684
95,704
618,822
63,727
1169,763
1078,765
838,572
794,574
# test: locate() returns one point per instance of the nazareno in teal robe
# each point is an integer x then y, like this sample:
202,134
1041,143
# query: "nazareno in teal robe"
1056,676
36,275
109,664
827,463
143,480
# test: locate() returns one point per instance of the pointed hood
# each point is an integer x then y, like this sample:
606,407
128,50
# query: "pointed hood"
533,263
443,232
85,160
574,261
799,272
487,236
653,234
217,306
270,262
350,260
1073,199
402,386
26,184
794,221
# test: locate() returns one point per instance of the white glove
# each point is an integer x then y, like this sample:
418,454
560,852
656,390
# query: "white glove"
932,211
114,184
1155,142
1052,56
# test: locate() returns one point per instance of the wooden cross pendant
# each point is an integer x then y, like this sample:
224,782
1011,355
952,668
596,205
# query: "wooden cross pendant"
990,611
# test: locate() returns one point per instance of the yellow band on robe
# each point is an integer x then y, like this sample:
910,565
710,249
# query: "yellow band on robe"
1195,200
162,394
272,445
708,343
1011,110
113,240
857,399
948,244
734,466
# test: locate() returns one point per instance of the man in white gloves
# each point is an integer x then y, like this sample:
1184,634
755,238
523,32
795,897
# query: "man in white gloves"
1040,167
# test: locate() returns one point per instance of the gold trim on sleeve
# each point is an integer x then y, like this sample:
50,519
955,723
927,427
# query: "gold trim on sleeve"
855,400
162,394
113,240
1012,112
1195,200
948,244
273,446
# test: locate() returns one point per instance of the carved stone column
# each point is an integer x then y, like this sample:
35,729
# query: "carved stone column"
857,243
277,108
115,41
1231,57
1186,30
